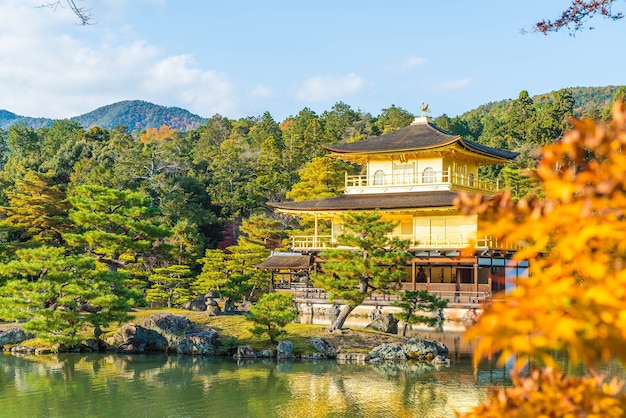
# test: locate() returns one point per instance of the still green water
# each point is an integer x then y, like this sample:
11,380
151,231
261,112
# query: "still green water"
113,385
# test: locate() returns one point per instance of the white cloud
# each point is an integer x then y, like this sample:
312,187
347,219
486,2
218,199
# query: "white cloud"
452,85
52,67
201,91
320,88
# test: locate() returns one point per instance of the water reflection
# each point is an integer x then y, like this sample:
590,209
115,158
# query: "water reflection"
110,385
100,385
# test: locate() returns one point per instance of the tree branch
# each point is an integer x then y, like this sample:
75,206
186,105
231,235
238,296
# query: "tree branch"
83,14
576,16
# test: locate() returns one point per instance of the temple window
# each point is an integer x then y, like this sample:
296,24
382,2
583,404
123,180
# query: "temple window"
379,178
428,175
403,173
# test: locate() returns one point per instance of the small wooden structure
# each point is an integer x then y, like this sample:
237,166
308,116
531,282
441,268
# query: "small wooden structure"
289,270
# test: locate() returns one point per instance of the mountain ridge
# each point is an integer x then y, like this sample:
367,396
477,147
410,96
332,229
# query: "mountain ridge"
140,114
134,114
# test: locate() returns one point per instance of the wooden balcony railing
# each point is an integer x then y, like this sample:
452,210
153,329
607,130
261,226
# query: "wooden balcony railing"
456,299
321,242
435,178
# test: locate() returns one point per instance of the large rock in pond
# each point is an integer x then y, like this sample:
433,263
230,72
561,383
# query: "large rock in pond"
133,338
199,343
170,326
14,336
384,323
423,351
386,352
244,352
285,350
324,346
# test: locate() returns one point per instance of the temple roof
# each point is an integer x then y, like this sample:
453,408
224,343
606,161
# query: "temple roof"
286,261
420,135
412,200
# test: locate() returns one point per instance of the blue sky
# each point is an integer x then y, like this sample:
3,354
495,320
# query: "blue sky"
242,58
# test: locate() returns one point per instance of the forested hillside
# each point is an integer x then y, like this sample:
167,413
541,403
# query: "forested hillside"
127,217
133,114
8,118
137,114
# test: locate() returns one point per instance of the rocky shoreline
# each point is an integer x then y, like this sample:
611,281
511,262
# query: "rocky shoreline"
176,334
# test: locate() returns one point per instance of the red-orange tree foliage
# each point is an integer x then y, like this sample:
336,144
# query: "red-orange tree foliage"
574,17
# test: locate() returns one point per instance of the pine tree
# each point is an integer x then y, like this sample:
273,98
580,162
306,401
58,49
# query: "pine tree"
59,294
170,285
414,305
118,227
372,266
271,313
37,210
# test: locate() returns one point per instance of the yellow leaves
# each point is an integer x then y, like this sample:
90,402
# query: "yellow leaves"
575,297
548,393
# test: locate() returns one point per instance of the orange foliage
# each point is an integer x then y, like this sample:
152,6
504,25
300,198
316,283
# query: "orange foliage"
285,124
154,134
575,237
547,393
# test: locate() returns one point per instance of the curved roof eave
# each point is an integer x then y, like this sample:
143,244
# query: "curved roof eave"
415,137
388,201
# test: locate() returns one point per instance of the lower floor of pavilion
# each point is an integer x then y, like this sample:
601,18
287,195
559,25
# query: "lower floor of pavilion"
465,281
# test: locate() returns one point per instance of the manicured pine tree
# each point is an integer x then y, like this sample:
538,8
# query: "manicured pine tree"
261,229
415,304
170,285
232,272
271,313
118,227
59,294
374,263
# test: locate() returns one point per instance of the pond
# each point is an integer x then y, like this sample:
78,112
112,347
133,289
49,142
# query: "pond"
113,385
158,385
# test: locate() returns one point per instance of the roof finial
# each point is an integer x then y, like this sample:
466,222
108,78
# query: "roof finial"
425,109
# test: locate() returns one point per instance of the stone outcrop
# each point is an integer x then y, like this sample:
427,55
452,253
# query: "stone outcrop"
384,323
132,338
324,347
90,344
198,304
285,350
244,352
26,350
199,343
172,327
167,333
14,336
418,350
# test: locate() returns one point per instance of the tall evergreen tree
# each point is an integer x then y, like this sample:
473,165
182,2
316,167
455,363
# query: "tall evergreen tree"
321,177
338,123
37,211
